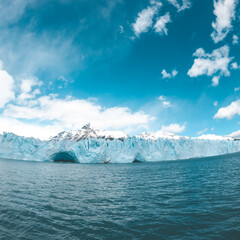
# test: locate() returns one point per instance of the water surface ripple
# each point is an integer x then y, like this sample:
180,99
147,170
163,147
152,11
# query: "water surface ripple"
187,199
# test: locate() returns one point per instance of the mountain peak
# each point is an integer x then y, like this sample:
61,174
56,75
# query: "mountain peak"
87,126
88,132
157,135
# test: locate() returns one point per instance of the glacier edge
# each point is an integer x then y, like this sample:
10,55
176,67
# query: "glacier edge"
98,150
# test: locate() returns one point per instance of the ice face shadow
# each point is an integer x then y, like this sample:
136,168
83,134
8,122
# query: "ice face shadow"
65,157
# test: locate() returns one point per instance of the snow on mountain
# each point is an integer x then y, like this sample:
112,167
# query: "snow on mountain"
88,132
89,145
157,135
215,137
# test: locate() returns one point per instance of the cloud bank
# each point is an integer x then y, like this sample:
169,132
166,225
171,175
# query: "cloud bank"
25,113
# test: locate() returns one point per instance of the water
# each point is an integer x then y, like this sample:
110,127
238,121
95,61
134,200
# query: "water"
190,199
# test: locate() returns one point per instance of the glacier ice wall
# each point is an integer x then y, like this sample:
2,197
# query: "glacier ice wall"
94,150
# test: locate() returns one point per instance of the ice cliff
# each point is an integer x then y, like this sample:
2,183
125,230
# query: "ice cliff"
89,145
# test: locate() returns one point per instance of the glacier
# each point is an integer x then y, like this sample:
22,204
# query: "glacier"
93,146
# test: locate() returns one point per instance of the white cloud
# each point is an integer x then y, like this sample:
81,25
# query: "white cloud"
11,11
26,89
160,25
28,129
161,98
215,103
185,4
173,128
209,64
165,102
27,84
33,53
215,81
235,40
234,65
27,51
235,135
6,86
30,115
203,131
236,89
224,10
144,20
174,72
165,74
228,112
72,113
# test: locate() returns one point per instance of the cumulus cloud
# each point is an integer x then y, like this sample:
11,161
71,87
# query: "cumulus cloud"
228,112
164,101
165,74
144,20
215,81
180,7
235,40
6,86
160,25
173,128
209,64
234,65
224,10
215,103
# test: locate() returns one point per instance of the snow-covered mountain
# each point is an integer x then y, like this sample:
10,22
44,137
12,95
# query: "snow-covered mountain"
157,135
89,145
88,132
215,137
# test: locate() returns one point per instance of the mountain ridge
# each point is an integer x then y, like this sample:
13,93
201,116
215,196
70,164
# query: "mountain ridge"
89,132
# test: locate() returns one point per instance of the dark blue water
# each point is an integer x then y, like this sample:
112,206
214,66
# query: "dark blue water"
190,199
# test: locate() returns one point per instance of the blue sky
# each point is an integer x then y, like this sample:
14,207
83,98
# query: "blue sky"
170,65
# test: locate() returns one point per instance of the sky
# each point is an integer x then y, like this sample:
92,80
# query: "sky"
136,66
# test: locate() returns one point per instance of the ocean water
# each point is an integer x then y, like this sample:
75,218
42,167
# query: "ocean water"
187,199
